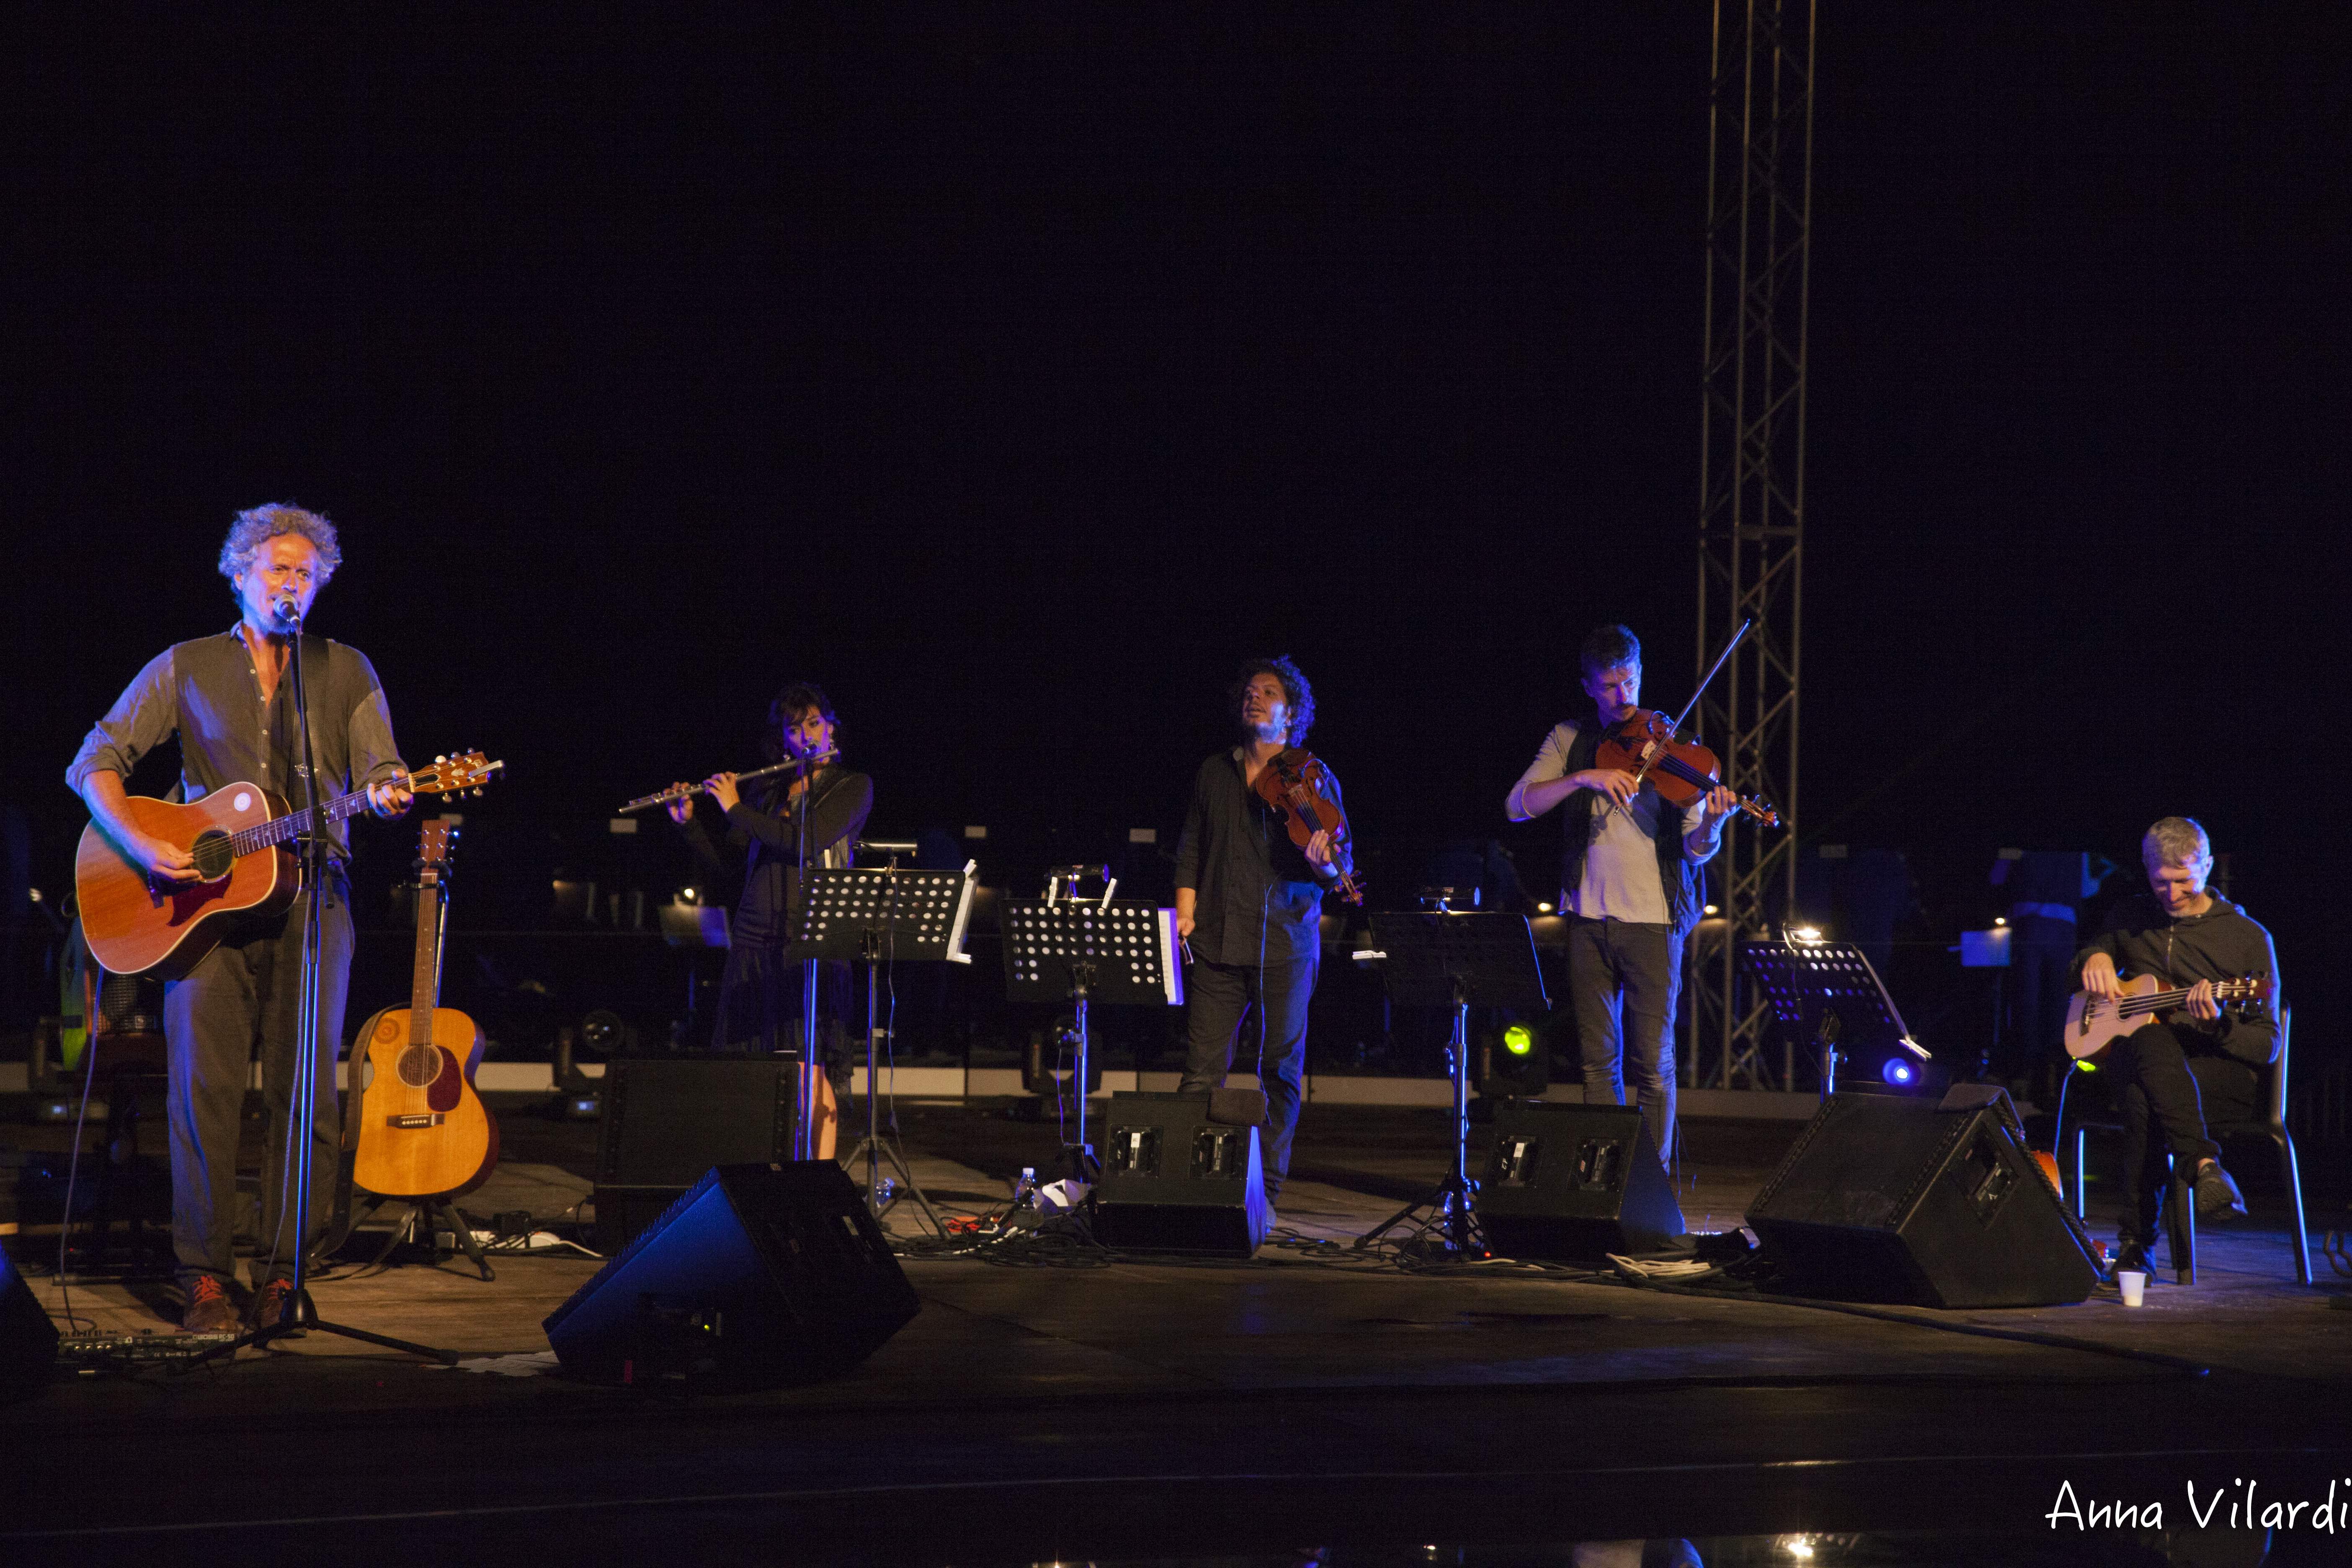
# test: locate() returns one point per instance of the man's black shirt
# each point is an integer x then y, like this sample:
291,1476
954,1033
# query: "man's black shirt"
1255,895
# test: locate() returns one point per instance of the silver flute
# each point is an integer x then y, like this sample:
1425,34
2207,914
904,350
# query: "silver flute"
680,792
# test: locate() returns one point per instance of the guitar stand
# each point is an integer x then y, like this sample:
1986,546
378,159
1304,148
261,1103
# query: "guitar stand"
427,1211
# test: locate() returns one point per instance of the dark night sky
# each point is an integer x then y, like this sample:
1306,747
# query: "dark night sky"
1016,380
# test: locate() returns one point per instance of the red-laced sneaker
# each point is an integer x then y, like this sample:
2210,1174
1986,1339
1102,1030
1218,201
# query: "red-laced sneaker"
269,1306
210,1312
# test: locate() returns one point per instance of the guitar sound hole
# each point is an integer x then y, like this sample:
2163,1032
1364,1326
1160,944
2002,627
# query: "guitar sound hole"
213,855
419,1066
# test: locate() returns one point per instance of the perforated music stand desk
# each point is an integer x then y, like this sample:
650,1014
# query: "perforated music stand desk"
909,915
1121,952
884,915
1804,980
1456,961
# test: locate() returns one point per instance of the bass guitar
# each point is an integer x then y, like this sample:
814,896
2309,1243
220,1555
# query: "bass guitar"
2094,1023
240,836
424,1131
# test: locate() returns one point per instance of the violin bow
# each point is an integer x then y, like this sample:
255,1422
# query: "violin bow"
1705,681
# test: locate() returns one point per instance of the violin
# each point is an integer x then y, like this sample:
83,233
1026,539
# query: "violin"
1643,743
1295,782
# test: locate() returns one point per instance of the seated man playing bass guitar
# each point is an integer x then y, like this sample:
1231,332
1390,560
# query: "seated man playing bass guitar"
230,700
1628,886
2185,935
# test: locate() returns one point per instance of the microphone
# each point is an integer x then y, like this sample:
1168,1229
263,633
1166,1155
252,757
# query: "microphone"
286,611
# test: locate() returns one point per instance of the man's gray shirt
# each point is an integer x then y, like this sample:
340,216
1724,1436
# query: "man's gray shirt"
208,693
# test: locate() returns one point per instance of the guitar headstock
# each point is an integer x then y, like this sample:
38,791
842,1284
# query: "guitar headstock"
455,775
434,836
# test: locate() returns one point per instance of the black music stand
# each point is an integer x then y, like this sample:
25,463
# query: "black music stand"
1077,950
1827,990
882,915
1458,962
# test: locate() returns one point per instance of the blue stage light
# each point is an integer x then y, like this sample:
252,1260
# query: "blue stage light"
1898,1072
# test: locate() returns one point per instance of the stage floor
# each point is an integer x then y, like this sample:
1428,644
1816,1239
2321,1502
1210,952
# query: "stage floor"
1143,1411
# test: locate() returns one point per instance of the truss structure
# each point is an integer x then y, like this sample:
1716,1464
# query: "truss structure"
1752,499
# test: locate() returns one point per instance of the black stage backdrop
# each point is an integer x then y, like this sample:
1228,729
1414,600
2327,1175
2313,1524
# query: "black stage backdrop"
1015,378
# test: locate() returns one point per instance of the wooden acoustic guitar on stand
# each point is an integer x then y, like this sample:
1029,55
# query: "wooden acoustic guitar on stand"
422,1130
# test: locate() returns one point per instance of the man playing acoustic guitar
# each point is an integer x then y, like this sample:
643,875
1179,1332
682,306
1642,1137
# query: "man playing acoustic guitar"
230,700
2185,935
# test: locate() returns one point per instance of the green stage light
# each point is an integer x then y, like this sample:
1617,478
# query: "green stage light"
1519,1039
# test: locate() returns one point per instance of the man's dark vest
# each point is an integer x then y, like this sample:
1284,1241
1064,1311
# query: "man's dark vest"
1676,875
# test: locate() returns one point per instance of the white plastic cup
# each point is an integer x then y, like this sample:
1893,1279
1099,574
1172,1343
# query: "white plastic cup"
2134,1284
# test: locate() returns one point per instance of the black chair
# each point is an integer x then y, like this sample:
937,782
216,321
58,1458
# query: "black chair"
2179,1208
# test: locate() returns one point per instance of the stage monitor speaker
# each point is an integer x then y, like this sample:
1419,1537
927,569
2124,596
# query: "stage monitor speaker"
1890,1199
29,1341
667,1120
1575,1181
1176,1179
760,1276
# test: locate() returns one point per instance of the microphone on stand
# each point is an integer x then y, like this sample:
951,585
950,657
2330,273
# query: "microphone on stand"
287,611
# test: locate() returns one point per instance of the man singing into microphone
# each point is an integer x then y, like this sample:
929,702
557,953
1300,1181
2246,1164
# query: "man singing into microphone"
230,701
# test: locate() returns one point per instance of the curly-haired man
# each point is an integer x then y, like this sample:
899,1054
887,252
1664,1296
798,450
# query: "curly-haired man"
1249,903
227,698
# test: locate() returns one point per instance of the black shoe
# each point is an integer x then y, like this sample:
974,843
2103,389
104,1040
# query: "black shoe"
2217,1195
2131,1255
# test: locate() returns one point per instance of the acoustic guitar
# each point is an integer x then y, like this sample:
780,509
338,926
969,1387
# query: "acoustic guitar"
2094,1023
240,836
424,1131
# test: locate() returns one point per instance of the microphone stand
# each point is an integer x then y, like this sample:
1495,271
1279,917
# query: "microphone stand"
301,1124
804,1098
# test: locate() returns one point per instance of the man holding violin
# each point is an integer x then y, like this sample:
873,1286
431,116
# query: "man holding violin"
1629,887
1249,904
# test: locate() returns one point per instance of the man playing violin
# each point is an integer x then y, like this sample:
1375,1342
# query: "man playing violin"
760,996
230,700
1629,887
1249,903
2185,935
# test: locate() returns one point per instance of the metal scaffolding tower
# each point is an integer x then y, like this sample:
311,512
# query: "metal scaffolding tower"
1752,497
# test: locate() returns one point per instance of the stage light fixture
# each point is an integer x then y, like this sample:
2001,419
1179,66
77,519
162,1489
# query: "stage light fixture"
1511,1063
1905,1067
